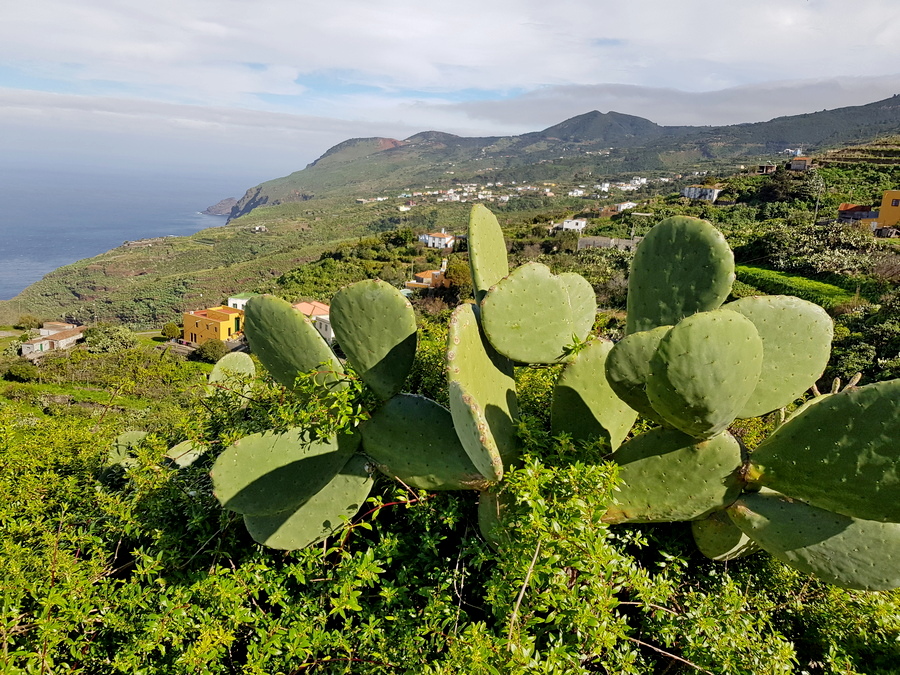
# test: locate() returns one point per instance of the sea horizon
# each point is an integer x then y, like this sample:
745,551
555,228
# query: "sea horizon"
55,216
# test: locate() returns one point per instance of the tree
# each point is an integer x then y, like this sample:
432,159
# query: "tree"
109,339
22,371
27,321
459,276
171,331
210,351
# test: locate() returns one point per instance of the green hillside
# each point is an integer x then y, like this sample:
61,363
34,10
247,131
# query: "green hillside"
592,144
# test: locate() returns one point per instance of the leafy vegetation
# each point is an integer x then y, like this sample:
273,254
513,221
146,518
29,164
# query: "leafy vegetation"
774,282
122,570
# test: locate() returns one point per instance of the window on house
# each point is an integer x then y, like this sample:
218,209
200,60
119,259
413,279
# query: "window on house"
895,202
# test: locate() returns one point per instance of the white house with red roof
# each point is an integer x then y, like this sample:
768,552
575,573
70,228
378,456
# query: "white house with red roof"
318,313
438,239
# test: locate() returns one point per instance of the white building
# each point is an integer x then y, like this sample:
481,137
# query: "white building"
704,192
239,301
438,239
54,335
573,224
623,206
319,315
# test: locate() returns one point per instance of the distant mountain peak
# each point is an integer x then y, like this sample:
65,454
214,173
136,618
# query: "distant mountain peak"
432,136
597,126
355,148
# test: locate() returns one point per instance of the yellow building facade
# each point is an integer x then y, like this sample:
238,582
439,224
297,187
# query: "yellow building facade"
222,323
889,213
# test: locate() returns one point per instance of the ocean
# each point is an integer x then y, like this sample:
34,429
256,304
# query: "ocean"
53,217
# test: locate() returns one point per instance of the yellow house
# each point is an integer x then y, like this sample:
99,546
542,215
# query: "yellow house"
221,322
889,213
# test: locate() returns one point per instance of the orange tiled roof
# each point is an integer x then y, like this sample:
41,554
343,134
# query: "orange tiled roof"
313,308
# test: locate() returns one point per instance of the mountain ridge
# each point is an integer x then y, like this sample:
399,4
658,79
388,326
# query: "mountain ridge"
592,143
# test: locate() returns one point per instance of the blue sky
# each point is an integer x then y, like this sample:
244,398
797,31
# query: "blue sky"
270,85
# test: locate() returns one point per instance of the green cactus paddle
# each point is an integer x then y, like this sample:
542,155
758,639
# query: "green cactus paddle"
287,343
584,405
376,327
320,515
839,550
533,316
682,266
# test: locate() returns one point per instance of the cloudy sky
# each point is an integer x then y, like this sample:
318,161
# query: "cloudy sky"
267,86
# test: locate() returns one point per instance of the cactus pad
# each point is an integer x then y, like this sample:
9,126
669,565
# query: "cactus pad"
233,363
720,539
704,371
839,550
486,376
412,438
287,343
264,474
532,315
840,454
682,266
320,515
628,367
186,453
376,327
584,405
474,433
487,250
492,530
796,337
668,476
123,447
234,367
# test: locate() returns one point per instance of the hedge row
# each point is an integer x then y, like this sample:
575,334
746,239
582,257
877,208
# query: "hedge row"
773,282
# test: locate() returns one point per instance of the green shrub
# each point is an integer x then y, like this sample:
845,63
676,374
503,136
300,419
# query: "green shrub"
27,322
109,339
171,331
780,283
210,351
22,371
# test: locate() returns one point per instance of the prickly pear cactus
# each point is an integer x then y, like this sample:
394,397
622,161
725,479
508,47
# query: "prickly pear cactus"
487,250
683,266
585,405
696,365
533,315
704,370
838,549
376,327
688,362
287,343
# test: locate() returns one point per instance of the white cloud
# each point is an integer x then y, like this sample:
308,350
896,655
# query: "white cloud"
197,50
666,106
42,127
276,82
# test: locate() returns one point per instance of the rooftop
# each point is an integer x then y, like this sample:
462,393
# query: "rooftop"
312,308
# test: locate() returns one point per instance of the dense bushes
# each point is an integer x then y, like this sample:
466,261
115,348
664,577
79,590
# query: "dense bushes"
138,570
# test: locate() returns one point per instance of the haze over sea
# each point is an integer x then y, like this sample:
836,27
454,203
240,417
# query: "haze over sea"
50,217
